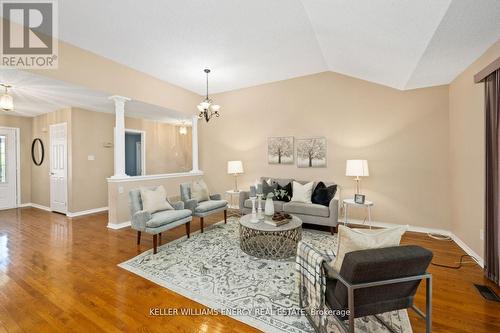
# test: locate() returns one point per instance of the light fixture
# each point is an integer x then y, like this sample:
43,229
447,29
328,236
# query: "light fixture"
235,168
206,107
183,129
357,168
6,100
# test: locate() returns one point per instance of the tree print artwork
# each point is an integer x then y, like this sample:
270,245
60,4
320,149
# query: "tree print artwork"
280,150
311,153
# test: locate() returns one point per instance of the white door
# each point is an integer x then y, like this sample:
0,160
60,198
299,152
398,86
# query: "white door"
58,168
8,168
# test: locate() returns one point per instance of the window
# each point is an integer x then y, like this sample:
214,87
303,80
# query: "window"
3,159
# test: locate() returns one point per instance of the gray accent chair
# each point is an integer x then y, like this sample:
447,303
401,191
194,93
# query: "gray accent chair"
203,208
308,213
156,223
375,281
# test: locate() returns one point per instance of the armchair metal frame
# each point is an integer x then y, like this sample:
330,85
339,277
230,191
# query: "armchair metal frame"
351,305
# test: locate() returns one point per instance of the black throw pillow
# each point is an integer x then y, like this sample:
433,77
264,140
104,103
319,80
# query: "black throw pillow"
266,188
322,195
283,193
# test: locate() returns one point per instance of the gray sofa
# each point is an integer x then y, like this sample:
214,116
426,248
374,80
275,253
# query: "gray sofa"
308,213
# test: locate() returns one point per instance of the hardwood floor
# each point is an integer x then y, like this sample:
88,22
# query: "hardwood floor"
60,275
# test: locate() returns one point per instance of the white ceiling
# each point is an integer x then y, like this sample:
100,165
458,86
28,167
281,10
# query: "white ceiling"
35,94
399,43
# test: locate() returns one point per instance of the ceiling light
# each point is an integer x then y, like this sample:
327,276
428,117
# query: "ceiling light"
183,129
6,100
206,108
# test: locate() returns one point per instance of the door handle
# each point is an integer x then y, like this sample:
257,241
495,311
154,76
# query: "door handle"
51,173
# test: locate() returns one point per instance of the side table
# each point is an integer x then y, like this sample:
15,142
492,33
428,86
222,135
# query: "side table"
230,194
350,202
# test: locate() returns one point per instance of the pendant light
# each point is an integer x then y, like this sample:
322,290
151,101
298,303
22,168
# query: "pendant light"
6,100
206,107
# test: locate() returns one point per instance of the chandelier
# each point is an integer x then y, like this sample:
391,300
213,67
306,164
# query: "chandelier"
207,108
6,101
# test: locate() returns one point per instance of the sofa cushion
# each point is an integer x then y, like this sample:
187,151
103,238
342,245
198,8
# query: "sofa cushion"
278,205
283,193
302,193
350,240
268,188
281,181
323,195
154,199
209,205
167,216
199,190
306,209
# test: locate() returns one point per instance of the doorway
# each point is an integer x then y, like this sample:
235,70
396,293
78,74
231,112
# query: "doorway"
135,153
9,167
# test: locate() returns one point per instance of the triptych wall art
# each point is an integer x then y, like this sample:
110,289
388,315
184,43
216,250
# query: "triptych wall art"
310,152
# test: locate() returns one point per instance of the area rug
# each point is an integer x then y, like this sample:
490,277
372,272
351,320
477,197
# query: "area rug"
211,269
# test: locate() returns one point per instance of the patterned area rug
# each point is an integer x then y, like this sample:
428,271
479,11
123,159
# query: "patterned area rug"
211,269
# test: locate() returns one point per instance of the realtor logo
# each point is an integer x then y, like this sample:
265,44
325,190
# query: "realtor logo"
29,34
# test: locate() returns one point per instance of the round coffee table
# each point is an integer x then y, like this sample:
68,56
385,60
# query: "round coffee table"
265,241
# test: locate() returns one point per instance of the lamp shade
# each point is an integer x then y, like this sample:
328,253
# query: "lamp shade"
357,168
234,167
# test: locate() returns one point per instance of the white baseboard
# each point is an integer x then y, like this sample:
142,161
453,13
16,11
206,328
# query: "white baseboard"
119,225
468,250
68,214
87,212
34,205
425,230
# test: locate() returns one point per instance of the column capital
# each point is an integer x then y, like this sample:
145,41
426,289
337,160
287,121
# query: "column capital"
119,99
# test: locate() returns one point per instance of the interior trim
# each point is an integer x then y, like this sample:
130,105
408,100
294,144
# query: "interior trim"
153,177
482,74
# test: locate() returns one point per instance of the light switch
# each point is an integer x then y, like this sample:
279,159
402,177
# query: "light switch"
120,189
91,158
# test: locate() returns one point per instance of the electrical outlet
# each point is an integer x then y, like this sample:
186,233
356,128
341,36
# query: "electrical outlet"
120,189
91,157
481,234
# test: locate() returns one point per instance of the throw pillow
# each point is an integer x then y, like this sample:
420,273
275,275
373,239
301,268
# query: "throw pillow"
154,200
302,193
268,188
283,193
363,239
322,195
199,191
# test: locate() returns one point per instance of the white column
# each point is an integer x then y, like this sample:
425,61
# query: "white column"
119,135
194,139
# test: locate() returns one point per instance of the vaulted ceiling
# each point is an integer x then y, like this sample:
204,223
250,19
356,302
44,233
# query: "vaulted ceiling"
399,43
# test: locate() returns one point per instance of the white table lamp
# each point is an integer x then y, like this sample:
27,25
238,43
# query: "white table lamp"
235,168
357,168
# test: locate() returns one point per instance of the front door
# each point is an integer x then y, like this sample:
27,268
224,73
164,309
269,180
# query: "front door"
8,168
58,168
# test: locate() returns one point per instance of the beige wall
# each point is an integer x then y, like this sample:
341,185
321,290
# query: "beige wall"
467,152
40,182
90,70
119,208
24,125
403,135
167,151
90,130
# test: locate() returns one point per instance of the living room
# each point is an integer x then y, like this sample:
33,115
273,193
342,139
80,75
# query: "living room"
308,149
